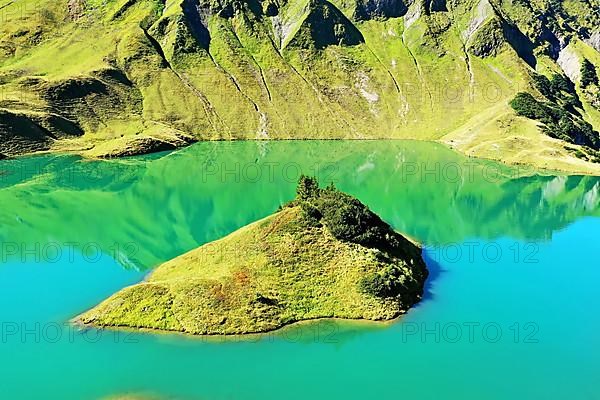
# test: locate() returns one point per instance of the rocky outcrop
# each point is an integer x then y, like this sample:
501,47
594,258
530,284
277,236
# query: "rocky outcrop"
489,30
30,132
487,39
127,147
20,133
324,25
594,41
76,9
94,99
570,64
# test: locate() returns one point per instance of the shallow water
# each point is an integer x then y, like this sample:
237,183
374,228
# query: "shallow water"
510,309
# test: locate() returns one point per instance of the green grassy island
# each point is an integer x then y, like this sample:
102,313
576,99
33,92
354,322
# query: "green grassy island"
323,255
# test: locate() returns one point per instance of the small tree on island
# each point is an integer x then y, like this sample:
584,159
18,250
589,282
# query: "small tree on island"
308,188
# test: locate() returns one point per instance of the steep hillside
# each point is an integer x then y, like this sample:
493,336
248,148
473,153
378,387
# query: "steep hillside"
117,77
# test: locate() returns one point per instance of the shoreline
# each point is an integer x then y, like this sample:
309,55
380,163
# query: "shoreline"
532,168
248,336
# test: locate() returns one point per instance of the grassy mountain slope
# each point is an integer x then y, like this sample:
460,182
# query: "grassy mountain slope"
122,76
323,255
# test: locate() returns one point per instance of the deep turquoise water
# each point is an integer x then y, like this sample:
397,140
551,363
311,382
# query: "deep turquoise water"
510,309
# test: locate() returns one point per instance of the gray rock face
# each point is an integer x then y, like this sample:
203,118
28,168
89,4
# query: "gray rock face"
594,41
76,9
570,64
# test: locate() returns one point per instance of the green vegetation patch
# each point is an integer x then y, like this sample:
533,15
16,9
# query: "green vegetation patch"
559,111
590,83
589,76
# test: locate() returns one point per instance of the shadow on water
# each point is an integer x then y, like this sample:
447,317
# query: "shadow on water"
435,272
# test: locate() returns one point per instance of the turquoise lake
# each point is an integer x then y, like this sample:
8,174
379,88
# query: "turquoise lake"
510,309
